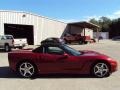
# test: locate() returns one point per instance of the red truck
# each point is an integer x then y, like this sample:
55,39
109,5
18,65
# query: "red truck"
78,39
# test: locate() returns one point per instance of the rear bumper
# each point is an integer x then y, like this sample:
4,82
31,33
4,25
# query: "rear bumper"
19,45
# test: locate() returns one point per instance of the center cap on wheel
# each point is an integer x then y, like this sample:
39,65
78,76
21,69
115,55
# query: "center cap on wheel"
100,68
27,69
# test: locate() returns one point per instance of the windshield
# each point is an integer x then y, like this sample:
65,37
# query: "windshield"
72,51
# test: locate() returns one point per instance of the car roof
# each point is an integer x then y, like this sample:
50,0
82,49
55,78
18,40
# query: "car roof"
52,44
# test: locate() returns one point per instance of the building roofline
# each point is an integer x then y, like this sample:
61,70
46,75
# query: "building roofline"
85,22
32,14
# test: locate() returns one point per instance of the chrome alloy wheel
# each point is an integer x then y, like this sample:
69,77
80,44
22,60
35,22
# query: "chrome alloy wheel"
26,69
101,70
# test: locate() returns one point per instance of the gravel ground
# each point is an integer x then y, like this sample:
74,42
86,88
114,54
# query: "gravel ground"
9,80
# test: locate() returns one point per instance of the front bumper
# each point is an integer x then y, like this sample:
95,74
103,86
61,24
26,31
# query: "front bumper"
114,66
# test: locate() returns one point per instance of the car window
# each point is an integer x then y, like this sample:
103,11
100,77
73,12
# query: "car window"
54,50
39,50
71,51
9,37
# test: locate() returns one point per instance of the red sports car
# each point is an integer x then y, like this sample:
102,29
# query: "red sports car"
59,58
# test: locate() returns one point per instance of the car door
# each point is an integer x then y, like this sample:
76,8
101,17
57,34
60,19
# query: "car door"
52,59
56,60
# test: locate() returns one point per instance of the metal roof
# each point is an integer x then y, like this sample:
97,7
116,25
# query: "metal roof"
85,24
31,14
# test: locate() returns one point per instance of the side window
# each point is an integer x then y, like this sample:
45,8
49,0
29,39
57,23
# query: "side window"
55,50
9,37
39,50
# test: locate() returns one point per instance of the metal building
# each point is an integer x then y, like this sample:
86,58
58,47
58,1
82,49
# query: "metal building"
36,28
27,25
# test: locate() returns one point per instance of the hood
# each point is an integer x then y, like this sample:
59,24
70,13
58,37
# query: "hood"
94,54
91,53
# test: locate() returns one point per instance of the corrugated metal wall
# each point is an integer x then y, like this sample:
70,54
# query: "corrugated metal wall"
43,27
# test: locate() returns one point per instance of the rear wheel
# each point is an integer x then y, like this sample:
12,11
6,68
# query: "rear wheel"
27,69
101,69
7,48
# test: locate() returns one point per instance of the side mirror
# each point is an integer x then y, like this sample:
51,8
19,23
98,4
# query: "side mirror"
65,55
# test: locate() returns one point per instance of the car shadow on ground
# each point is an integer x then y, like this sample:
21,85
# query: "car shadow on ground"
6,72
2,51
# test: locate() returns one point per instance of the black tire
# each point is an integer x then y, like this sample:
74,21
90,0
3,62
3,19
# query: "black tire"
100,70
27,69
85,42
21,47
7,48
80,42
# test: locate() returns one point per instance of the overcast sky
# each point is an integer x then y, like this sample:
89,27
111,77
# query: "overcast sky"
66,10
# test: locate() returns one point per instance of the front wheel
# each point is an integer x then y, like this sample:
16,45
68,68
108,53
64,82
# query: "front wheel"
27,69
101,70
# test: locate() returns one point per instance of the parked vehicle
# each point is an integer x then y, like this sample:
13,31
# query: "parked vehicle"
59,58
53,40
116,38
20,43
6,42
78,39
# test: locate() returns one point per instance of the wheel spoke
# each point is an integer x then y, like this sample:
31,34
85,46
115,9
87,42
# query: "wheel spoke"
23,69
24,73
101,73
97,67
102,66
25,65
31,67
105,70
30,72
97,71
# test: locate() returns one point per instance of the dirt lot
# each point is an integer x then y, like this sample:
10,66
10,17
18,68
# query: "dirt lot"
9,80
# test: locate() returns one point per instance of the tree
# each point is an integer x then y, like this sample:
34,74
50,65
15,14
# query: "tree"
114,28
94,21
104,23
108,25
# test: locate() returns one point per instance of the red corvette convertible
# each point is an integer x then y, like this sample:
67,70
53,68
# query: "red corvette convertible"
59,58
